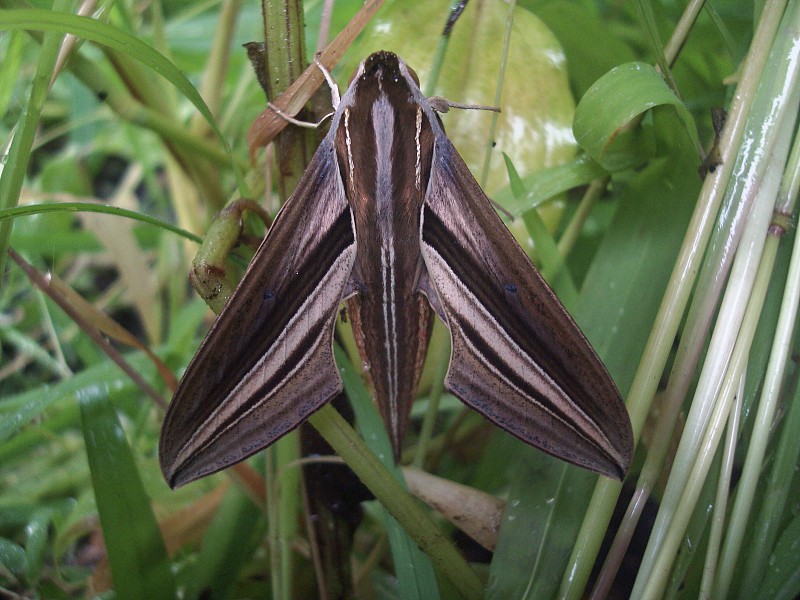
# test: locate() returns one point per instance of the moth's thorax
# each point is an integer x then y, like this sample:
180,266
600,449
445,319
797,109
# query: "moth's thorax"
384,147
384,144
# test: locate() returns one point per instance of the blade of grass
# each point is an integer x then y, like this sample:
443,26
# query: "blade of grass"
95,207
414,571
776,500
16,164
136,551
228,546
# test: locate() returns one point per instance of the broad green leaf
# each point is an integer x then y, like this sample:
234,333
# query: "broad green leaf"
607,119
591,44
634,263
537,106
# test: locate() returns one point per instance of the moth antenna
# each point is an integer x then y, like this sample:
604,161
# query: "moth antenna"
443,105
289,118
500,208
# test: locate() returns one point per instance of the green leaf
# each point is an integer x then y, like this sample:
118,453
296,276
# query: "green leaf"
782,577
38,209
139,562
647,17
548,183
228,545
17,158
11,50
553,265
606,119
36,532
541,513
591,43
12,558
634,262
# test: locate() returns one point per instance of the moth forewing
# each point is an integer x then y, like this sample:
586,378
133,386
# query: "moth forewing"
388,215
267,361
517,355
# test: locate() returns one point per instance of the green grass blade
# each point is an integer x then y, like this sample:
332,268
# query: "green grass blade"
228,545
16,164
139,562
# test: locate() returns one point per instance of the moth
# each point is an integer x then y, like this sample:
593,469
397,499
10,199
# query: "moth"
388,218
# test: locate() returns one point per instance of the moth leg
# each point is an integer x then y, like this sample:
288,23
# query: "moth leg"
335,96
290,119
209,275
335,99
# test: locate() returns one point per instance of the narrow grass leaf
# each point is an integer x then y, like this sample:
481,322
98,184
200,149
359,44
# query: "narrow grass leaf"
228,544
18,157
548,183
647,17
774,505
553,267
139,562
36,532
11,51
95,207
782,577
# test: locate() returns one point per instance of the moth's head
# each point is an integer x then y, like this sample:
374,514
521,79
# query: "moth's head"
383,66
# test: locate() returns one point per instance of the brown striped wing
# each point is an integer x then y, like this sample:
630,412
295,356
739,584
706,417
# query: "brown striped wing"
518,358
267,362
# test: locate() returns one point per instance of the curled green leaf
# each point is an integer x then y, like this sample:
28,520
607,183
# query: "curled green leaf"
607,119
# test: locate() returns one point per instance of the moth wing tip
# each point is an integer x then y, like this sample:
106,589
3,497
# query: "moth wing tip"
177,478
